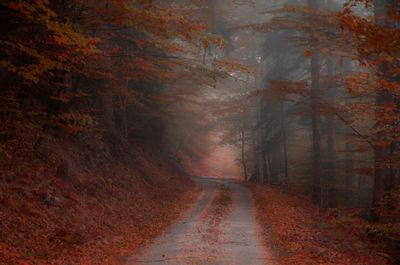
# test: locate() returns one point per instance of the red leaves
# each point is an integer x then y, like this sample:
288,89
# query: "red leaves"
352,80
302,234
12,6
308,53
116,21
102,221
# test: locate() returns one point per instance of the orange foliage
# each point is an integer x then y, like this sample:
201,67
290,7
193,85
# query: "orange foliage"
93,218
301,233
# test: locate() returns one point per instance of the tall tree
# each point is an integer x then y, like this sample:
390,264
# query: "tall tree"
315,70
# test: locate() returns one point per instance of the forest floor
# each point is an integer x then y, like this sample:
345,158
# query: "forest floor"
220,229
142,210
97,213
299,232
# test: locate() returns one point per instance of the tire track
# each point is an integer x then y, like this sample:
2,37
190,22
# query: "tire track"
203,241
219,230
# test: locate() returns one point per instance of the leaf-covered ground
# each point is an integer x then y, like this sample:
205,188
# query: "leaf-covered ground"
93,218
207,234
299,232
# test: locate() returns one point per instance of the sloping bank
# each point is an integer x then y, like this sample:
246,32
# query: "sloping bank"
299,232
93,211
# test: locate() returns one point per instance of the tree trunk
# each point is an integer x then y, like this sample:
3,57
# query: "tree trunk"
315,119
384,179
259,133
264,165
285,156
330,175
243,133
269,163
243,149
124,124
108,112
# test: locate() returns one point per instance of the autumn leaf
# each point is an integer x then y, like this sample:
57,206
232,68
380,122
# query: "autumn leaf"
324,50
352,80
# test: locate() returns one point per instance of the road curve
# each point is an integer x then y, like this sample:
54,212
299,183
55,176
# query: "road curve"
220,229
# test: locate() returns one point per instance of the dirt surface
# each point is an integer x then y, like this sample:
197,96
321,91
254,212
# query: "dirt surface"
220,229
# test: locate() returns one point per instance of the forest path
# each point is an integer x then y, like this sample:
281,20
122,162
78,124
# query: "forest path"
220,229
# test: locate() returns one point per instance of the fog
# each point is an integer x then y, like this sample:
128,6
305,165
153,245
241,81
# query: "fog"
127,121
277,102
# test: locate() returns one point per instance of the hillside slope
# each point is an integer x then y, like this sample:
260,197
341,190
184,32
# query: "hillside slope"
297,231
88,209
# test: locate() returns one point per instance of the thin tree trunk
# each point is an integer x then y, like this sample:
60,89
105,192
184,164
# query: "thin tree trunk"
348,163
285,156
124,125
259,134
317,193
52,106
270,169
330,181
243,149
108,108
264,166
243,132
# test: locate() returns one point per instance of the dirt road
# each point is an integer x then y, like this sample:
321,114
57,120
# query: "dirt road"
220,229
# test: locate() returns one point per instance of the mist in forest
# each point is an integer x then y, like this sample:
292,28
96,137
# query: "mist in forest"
260,105
301,104
112,110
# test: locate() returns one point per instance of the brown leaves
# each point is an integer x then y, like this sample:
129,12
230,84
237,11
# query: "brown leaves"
301,234
95,220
